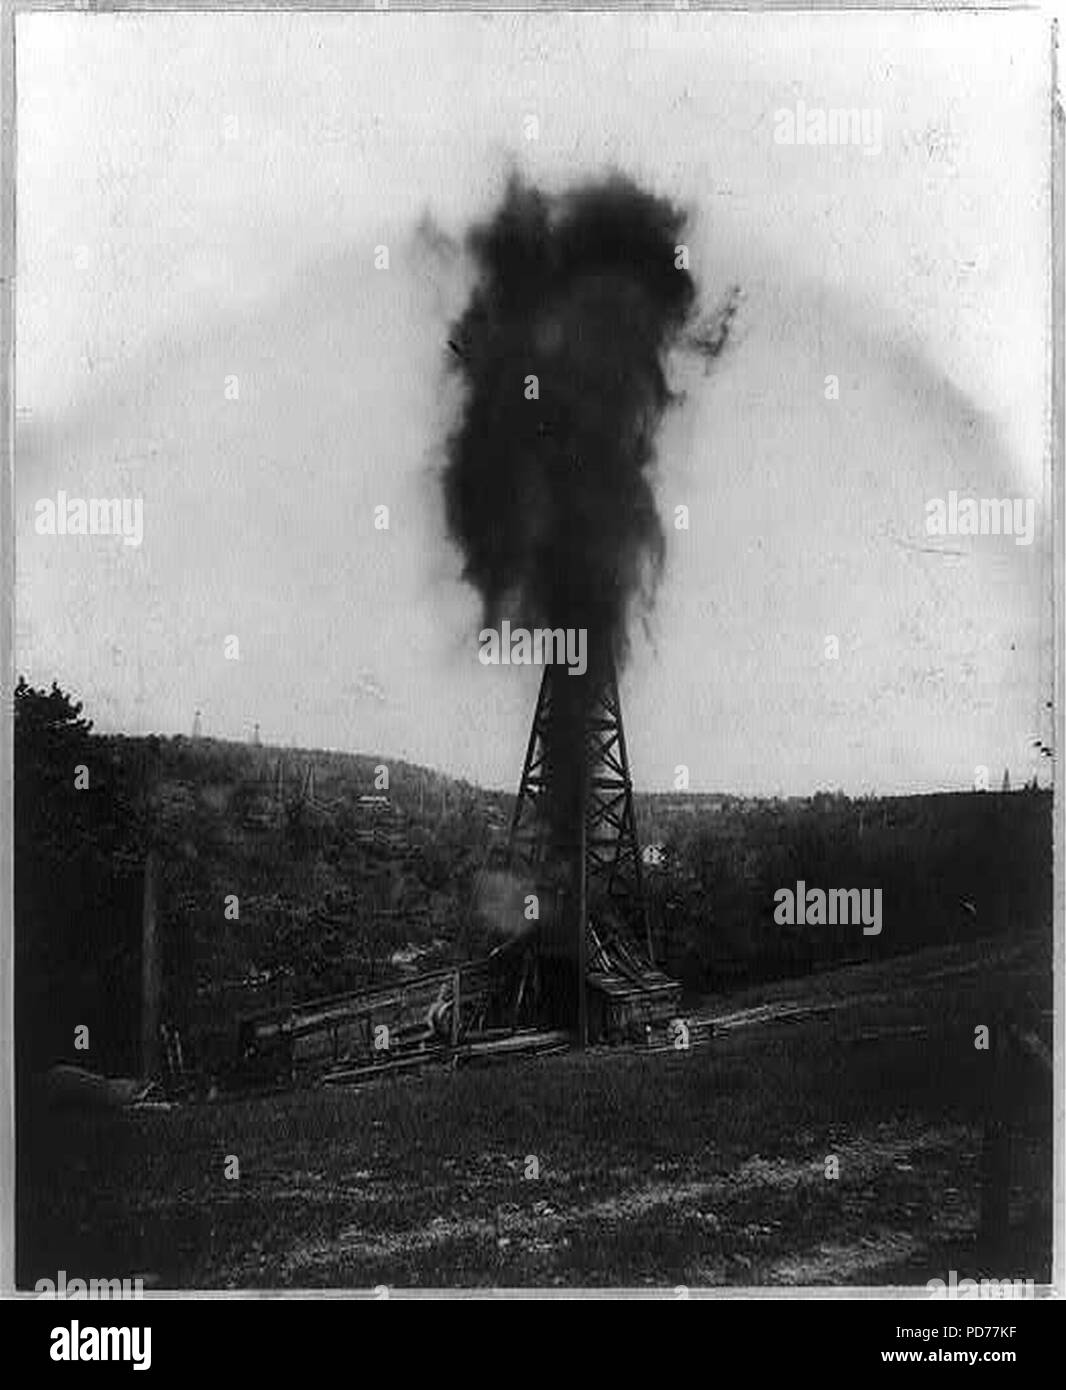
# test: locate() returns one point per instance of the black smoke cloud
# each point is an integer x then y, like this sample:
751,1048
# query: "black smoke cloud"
549,499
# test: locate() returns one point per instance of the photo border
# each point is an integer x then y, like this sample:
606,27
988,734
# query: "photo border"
10,10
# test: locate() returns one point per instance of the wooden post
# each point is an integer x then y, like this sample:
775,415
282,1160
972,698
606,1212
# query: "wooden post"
150,970
994,1228
582,930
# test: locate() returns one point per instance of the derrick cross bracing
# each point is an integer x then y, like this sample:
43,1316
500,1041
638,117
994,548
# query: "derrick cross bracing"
574,827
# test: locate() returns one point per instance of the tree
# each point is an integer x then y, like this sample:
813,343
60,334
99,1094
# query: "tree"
73,901
51,741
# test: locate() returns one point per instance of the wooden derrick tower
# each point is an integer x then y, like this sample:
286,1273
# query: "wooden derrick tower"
574,837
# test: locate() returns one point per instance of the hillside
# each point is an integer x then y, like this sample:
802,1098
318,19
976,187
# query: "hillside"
287,874
379,871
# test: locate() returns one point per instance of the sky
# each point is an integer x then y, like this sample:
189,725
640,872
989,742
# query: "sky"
203,197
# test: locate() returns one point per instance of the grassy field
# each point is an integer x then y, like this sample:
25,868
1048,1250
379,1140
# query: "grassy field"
700,1167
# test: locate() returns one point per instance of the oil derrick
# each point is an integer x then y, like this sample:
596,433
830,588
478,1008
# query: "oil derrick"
573,835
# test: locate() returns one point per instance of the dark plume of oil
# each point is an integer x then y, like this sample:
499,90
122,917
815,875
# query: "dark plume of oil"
561,350
546,485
